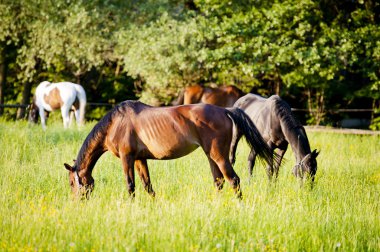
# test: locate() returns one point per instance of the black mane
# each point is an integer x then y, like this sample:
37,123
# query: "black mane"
284,112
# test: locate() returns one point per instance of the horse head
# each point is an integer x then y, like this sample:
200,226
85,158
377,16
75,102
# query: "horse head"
33,112
308,165
81,185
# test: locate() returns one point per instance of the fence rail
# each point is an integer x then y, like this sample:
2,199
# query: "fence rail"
333,110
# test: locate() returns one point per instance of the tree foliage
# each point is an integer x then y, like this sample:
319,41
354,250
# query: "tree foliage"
318,54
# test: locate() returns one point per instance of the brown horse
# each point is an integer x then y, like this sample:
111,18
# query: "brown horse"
224,96
135,132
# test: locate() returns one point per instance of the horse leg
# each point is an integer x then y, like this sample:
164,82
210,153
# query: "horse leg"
281,152
129,172
217,174
71,115
142,169
229,174
77,115
65,116
270,168
251,161
42,116
218,151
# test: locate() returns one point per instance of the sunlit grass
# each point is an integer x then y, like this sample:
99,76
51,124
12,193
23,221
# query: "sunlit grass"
37,211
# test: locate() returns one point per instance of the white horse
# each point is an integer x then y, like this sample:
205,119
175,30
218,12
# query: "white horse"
63,95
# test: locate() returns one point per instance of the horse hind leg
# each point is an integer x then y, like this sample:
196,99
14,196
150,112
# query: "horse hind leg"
217,174
65,116
141,167
77,116
229,174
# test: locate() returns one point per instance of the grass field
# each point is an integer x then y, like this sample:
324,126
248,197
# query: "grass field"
341,212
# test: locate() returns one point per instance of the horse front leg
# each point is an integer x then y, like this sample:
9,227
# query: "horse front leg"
281,153
270,167
142,169
129,172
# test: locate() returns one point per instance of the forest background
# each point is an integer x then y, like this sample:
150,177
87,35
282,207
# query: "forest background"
319,55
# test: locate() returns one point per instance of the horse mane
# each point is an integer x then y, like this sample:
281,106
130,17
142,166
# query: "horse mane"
96,135
290,124
284,112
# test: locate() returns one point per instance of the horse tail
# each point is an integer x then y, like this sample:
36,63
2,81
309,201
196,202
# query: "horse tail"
180,99
81,95
245,126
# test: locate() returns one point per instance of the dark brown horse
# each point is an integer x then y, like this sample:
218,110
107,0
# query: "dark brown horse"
135,132
274,120
224,96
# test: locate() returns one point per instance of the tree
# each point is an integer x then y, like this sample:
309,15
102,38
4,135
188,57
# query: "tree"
317,54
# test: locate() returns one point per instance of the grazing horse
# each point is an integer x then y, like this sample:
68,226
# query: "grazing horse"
274,120
224,96
135,132
53,96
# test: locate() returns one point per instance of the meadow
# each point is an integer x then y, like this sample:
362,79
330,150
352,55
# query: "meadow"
38,212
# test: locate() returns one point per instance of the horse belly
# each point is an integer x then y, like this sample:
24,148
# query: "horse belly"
168,145
158,151
167,140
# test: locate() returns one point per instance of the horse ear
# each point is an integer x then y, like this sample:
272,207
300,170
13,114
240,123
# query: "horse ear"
68,167
315,153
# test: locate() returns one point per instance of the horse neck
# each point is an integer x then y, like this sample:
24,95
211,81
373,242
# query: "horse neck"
299,142
90,152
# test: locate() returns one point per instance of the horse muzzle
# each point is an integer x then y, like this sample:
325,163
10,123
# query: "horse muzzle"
85,191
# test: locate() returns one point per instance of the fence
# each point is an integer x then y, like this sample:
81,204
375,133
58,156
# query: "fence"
101,104
24,106
351,122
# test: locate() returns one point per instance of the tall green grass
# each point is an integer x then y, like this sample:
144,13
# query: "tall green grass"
341,212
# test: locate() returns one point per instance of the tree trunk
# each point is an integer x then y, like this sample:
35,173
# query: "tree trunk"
2,77
25,99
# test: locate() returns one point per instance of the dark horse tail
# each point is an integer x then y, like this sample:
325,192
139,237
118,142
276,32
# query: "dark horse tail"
244,126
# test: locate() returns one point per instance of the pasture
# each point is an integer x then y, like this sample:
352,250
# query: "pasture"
341,212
